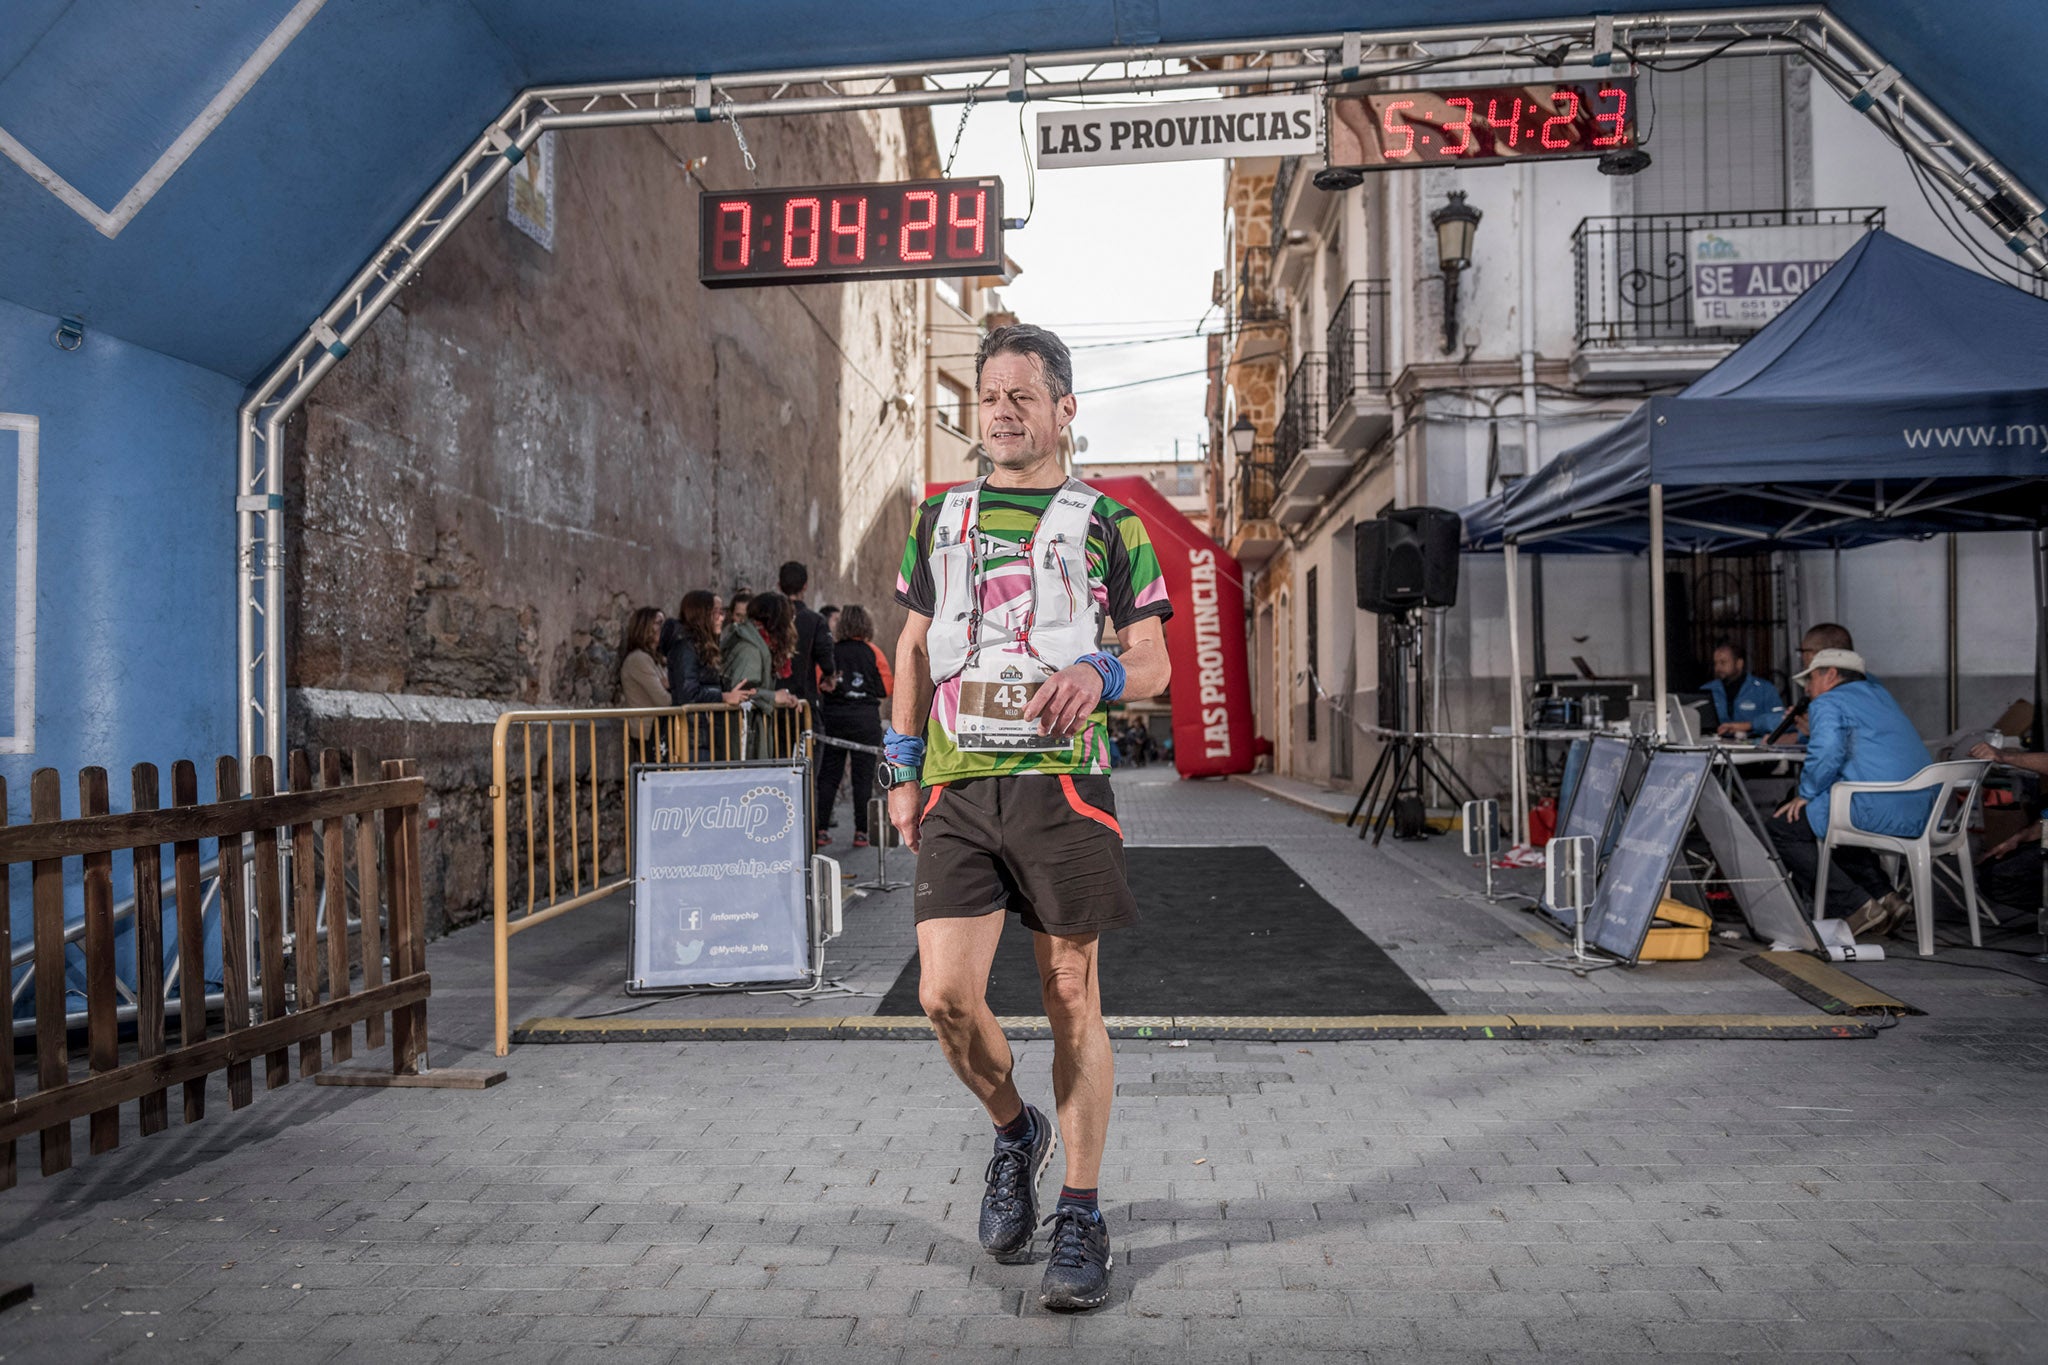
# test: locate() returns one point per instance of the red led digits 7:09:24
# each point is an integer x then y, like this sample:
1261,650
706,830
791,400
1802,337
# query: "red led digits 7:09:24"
1477,125
841,232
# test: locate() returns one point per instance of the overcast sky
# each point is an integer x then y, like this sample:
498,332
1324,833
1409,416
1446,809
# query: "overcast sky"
1117,260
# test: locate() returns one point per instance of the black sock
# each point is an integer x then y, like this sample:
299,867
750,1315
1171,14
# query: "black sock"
1017,1128
1071,1198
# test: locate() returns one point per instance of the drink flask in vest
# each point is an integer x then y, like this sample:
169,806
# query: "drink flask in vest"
1003,632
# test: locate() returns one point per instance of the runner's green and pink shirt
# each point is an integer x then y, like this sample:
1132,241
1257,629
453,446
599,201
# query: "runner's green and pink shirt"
1123,573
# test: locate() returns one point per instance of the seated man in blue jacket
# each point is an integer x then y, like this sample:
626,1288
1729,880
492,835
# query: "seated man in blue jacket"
1744,704
1859,734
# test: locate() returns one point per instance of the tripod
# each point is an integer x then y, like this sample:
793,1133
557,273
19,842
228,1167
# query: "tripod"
1408,758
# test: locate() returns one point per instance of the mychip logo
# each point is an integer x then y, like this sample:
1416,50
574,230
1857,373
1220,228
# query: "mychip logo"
764,815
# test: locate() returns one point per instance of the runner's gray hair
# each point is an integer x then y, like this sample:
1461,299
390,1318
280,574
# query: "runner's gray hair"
1021,338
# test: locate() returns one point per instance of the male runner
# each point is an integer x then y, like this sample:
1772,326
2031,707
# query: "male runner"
999,773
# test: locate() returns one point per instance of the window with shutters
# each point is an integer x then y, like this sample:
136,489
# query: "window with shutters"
1717,141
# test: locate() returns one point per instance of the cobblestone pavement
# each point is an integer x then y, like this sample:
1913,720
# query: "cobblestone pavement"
1422,1201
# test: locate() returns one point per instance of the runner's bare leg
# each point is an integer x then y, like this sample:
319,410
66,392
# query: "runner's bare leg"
1083,1066
954,957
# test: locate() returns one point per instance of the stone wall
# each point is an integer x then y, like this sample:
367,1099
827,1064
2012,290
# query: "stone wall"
534,442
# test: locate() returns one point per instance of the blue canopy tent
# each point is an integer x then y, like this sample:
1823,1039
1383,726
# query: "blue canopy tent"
1899,397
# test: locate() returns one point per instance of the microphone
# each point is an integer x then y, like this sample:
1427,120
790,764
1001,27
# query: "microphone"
1798,709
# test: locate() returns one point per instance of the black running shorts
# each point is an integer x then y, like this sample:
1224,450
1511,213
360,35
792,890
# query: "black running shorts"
1046,846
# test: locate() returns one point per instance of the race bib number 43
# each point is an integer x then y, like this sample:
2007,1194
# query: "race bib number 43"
992,718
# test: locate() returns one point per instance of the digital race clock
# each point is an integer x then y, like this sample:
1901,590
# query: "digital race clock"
1472,125
849,232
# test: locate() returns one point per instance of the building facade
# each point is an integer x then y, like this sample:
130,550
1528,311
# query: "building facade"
557,424
1369,382
1183,483
958,313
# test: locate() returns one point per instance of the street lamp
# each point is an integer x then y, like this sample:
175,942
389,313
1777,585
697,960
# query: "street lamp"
1242,436
1456,223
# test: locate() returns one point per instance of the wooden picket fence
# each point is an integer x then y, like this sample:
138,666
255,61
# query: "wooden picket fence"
272,847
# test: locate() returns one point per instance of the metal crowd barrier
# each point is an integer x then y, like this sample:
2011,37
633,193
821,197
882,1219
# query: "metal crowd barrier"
568,830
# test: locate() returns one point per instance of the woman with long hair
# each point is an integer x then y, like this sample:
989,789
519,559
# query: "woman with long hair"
641,679
757,648
852,712
696,676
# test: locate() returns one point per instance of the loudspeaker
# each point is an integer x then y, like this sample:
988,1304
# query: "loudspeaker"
1408,558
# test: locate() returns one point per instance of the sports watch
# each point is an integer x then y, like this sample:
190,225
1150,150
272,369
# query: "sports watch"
896,774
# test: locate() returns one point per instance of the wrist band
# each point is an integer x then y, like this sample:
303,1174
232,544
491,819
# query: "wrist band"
904,750
1111,671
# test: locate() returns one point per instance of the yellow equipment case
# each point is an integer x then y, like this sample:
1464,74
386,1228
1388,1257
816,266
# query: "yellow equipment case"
1678,934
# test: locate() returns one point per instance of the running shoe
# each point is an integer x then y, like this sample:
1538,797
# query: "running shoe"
1009,1211
1078,1264
860,839
824,839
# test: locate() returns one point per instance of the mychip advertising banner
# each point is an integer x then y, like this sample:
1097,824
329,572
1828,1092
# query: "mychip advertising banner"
719,889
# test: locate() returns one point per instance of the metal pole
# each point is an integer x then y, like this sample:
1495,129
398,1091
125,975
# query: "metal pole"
1659,684
1517,760
1955,667
501,909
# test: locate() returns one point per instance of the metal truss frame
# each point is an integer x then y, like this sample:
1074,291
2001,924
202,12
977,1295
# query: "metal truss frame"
1969,173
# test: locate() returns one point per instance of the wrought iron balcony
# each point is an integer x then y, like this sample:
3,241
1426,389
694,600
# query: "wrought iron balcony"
1357,346
1301,413
1256,484
1635,278
1253,536
1255,300
1283,184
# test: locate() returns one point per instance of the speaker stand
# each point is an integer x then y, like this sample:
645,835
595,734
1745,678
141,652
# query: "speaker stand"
1408,758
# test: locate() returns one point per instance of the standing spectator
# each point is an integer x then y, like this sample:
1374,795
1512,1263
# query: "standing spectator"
831,615
852,711
696,669
811,660
756,649
643,682
738,610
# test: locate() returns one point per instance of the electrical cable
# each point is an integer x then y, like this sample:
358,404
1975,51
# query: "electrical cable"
1030,173
1163,378
1972,967
1944,210
1649,65
1977,251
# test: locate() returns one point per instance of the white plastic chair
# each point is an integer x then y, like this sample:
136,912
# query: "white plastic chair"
1946,834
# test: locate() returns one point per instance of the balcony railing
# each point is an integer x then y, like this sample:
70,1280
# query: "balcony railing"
1634,276
1301,415
1283,184
1256,484
1255,299
1357,342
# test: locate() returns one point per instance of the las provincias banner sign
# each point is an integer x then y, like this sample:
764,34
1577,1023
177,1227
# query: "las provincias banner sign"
1214,733
1100,135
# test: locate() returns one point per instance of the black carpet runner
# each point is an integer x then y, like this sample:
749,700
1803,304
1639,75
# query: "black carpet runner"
1223,931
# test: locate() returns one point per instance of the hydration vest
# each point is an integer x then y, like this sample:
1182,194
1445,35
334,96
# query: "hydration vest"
1049,627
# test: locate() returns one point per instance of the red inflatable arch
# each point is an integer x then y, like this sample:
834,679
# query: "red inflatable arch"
1212,690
